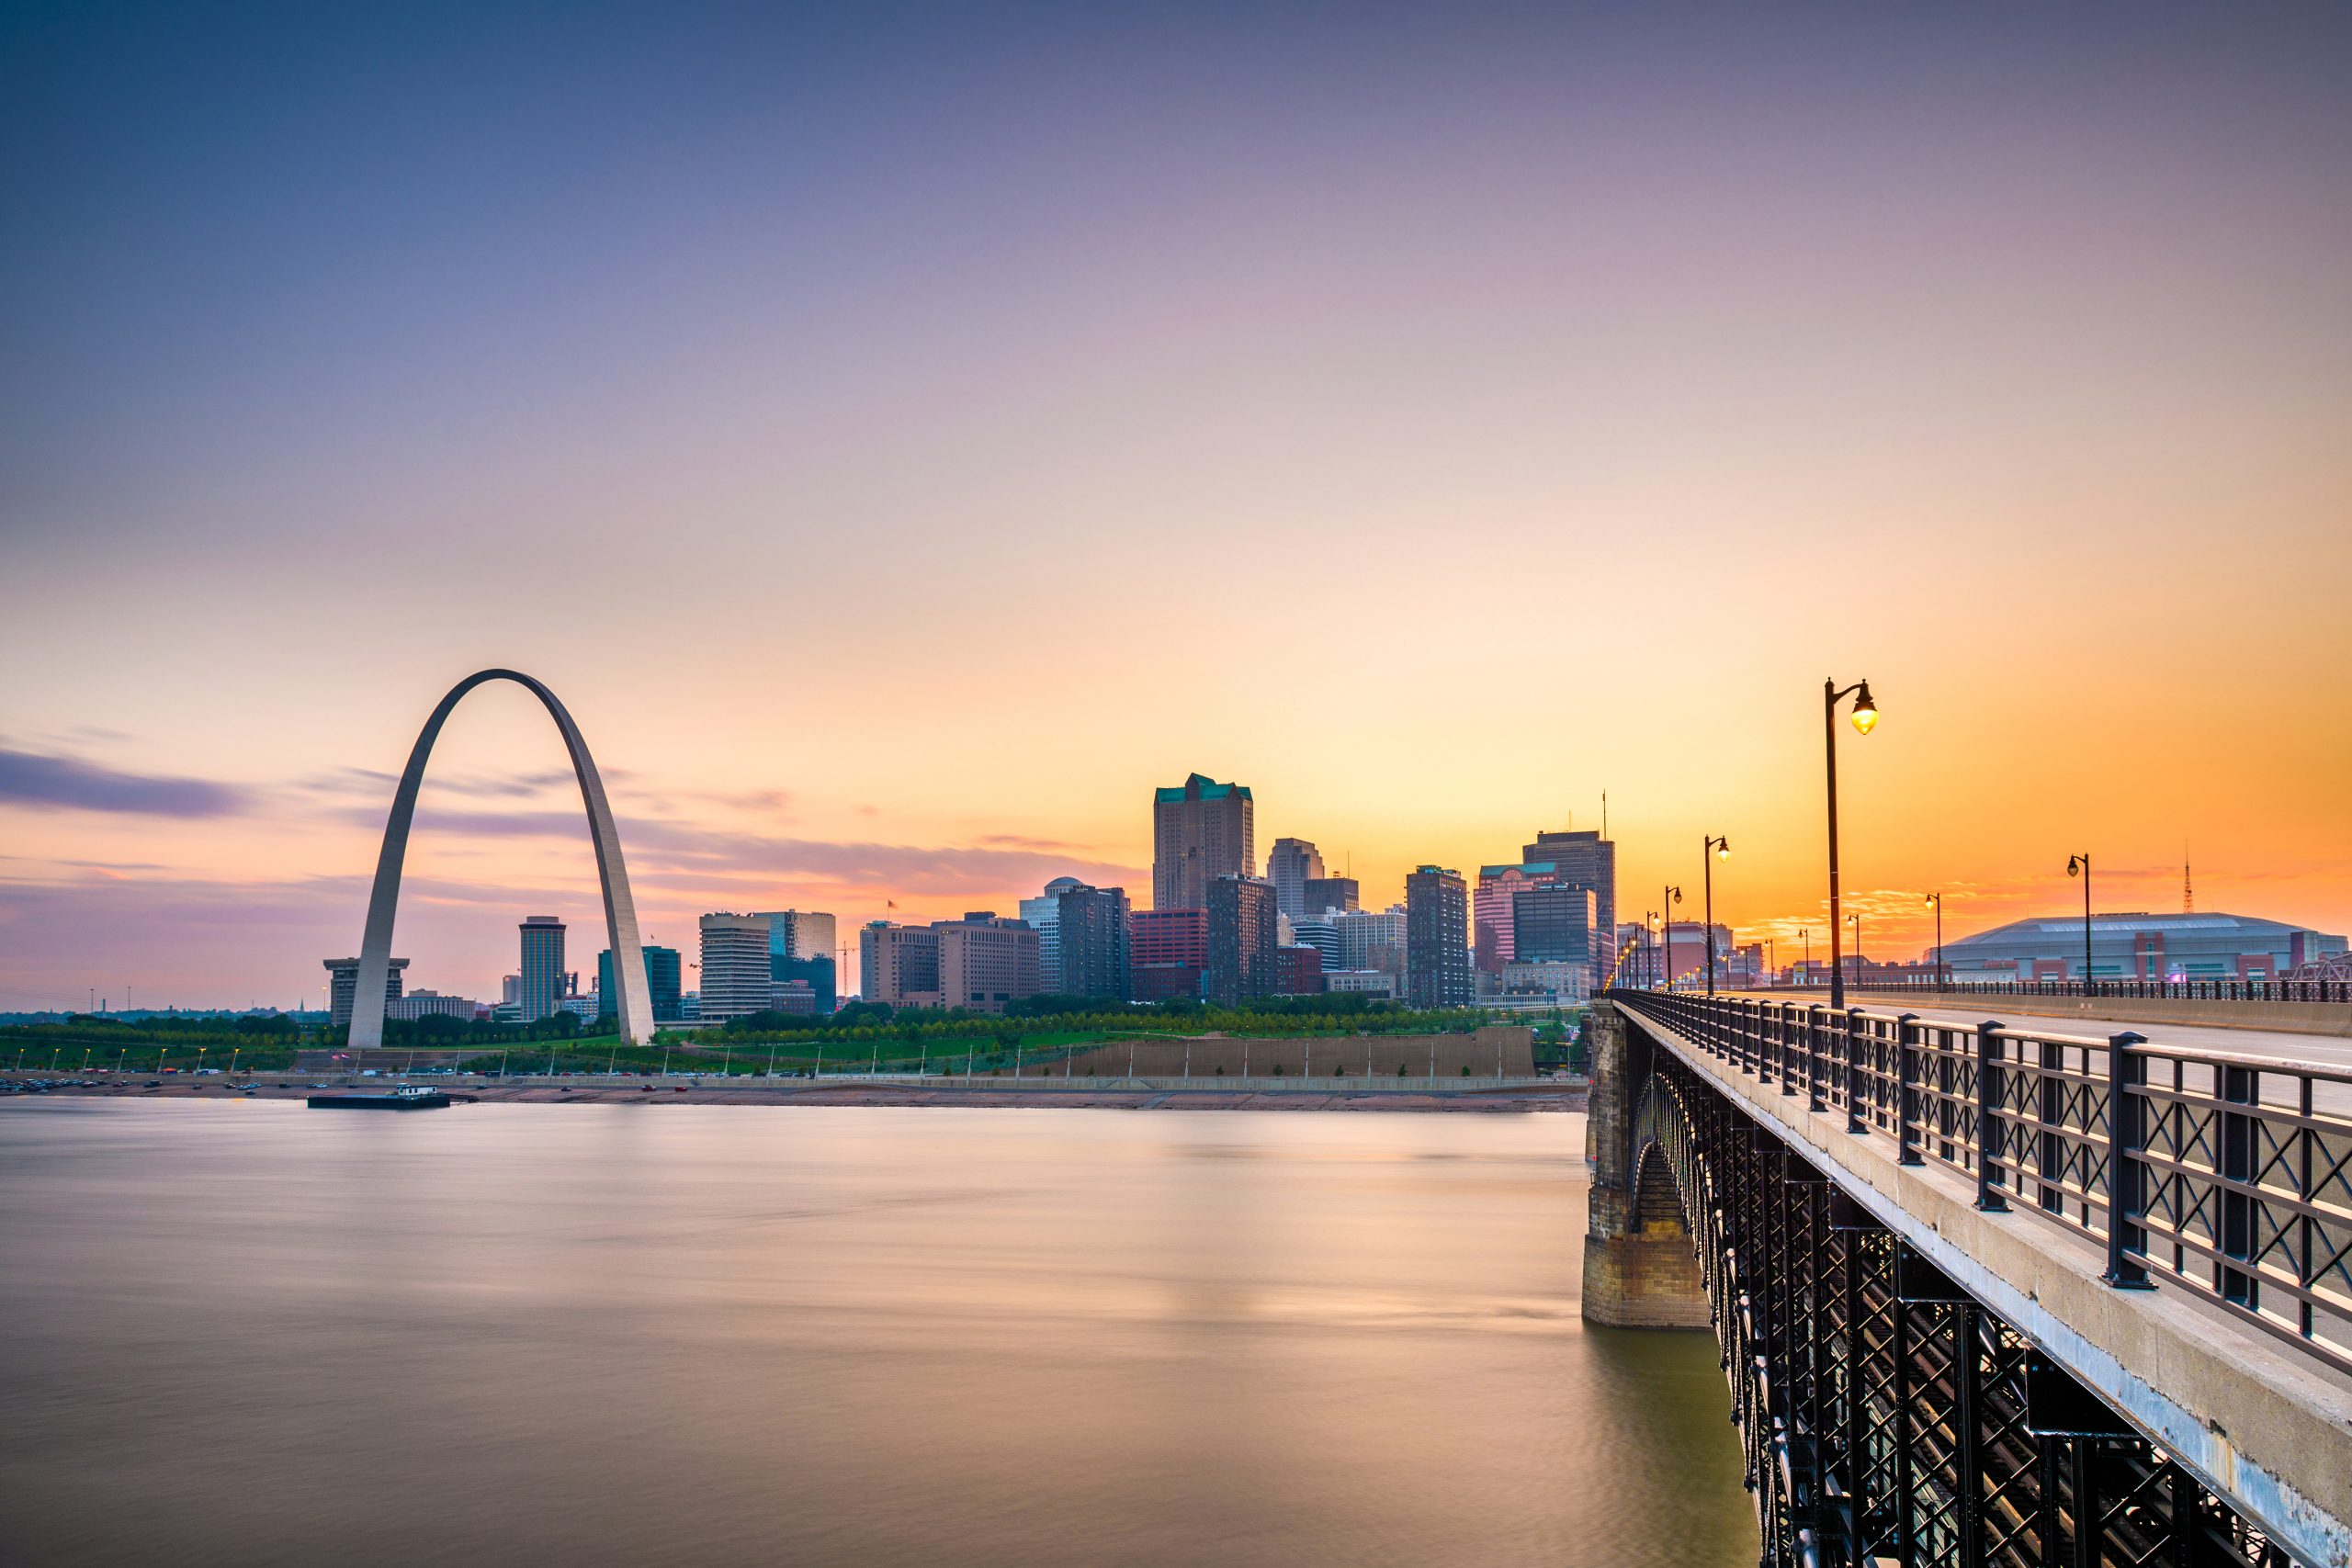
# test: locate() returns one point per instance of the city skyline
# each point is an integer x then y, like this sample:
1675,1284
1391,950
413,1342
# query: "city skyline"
533,812
772,391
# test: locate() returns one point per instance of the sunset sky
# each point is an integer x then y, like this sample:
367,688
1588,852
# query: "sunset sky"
906,438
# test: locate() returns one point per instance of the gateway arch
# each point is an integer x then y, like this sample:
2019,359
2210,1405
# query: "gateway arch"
633,1005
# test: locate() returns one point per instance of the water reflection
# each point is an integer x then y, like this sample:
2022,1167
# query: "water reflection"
251,1333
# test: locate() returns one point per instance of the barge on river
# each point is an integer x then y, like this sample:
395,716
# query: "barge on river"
410,1096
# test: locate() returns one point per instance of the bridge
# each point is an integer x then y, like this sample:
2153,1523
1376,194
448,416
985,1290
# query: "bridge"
2053,1288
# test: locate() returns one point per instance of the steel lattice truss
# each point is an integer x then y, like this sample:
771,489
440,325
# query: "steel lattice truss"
1885,1416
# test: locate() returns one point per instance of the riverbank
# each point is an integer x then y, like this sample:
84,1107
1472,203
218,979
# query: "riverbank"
1489,1100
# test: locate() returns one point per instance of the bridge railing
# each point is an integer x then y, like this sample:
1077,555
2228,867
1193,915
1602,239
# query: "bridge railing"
2223,1173
2148,990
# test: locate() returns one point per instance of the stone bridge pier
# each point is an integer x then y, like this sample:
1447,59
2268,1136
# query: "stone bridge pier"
1639,1270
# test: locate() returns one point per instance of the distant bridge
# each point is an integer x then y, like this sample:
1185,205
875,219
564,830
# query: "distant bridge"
1990,1293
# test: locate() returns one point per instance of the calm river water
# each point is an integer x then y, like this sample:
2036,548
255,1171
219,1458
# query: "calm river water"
253,1333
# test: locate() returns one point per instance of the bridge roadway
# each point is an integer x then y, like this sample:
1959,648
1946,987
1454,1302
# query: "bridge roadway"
2263,1422
2299,1046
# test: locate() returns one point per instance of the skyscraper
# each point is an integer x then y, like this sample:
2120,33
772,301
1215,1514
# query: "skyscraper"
1437,938
1585,859
1042,913
1290,865
1240,965
1092,927
542,966
663,973
735,979
1201,830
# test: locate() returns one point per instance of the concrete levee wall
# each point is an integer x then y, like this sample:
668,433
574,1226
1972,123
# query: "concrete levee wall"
1505,1050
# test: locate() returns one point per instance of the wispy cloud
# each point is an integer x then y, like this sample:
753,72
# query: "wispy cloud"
70,783
371,784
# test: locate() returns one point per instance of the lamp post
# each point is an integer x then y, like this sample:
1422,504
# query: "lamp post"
1806,933
1650,959
1865,720
1839,997
2080,865
1667,901
1937,899
1706,869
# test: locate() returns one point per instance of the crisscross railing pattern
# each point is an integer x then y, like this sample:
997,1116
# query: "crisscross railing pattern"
2222,1173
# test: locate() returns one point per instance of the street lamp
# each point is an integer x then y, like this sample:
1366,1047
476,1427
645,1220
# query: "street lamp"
1668,901
1650,959
1865,720
1854,920
1806,933
2080,865
1937,900
1707,869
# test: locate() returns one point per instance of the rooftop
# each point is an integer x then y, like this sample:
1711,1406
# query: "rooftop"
1205,787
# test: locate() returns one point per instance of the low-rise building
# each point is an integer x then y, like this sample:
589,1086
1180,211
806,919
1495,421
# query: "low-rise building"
1298,972
422,1003
899,965
1375,983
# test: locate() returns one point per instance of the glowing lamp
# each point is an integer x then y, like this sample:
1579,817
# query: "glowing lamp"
1865,710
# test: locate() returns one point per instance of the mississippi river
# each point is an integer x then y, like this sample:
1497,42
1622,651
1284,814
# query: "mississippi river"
253,1333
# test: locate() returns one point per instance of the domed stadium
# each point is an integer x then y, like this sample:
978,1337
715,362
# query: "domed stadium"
2138,946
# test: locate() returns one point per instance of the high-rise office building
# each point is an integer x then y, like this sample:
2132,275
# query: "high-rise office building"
663,972
1584,860
801,952
1091,927
542,967
1437,938
899,965
1323,936
1291,864
799,933
1201,830
1240,965
734,966
342,980
1555,923
985,961
1373,939
1166,949
1323,893
1041,914
1491,944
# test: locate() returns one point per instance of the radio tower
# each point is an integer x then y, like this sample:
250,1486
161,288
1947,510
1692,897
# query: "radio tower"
2187,895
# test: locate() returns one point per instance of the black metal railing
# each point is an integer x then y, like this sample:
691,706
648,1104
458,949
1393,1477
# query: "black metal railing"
2149,990
2224,1173
1886,1415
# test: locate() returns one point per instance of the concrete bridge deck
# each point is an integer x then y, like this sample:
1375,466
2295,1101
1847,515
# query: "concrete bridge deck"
2263,1422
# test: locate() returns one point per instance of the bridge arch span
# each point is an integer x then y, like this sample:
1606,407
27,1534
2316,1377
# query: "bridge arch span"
632,1005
